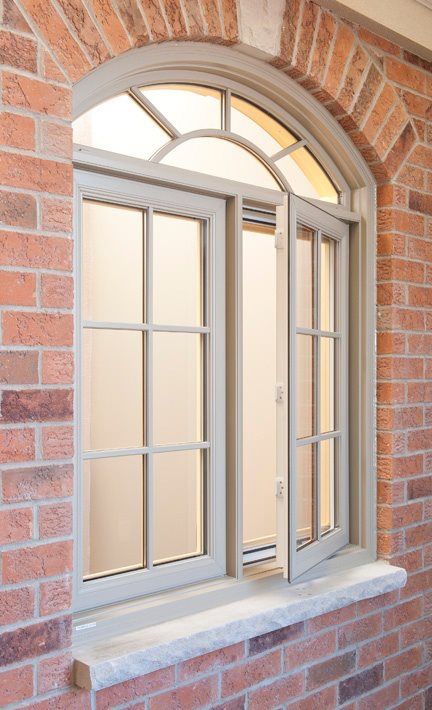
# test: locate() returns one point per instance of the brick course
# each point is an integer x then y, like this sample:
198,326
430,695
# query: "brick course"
374,654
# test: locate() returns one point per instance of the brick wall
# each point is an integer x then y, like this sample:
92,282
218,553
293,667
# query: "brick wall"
374,654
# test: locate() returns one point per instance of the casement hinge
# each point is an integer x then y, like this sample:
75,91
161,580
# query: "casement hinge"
279,239
279,393
279,487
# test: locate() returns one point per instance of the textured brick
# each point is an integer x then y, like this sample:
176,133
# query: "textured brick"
310,649
211,661
34,640
404,662
57,442
57,291
56,140
55,596
17,131
86,30
34,251
57,215
21,328
196,695
377,649
18,289
18,368
55,673
16,525
17,209
277,693
16,605
322,673
245,675
16,685
36,405
111,25
258,644
17,51
55,520
35,562
360,683
37,483
57,368
16,445
31,173
132,689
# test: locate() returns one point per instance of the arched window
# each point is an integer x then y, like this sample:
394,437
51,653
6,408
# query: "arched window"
214,252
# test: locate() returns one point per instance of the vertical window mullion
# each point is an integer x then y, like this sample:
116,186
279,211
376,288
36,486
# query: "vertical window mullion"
148,384
317,386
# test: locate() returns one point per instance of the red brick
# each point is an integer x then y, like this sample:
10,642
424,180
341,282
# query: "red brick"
55,520
277,693
16,525
16,685
391,129
390,392
411,683
56,140
381,107
359,630
57,291
35,174
57,442
326,30
360,683
16,445
419,391
17,131
111,25
420,487
203,692
133,21
16,605
55,596
310,649
35,95
36,405
229,21
402,614
264,642
412,176
332,618
55,673
74,699
378,42
57,367
421,439
132,689
404,74
334,668
406,661
381,698
86,30
245,675
57,34
390,543
306,35
18,368
17,51
399,417
12,17
56,215
417,583
376,650
389,443
400,368
342,48
422,155
323,699
37,483
211,661
400,467
388,492
34,251
400,516
419,202
34,640
21,328
17,289
17,209
36,562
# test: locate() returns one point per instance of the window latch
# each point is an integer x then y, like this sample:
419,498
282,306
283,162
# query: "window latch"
279,487
279,239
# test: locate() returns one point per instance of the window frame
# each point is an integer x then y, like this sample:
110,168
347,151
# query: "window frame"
118,587
291,104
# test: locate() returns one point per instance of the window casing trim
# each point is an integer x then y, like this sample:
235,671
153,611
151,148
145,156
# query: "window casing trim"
265,85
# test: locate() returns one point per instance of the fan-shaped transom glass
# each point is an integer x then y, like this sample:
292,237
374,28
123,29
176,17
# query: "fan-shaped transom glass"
206,130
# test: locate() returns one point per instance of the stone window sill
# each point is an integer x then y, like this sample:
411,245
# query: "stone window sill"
272,605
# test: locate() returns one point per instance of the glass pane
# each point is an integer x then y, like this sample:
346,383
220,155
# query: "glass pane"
306,176
186,106
305,277
178,505
327,384
259,378
120,125
113,267
305,390
305,494
327,483
177,388
259,127
177,270
328,268
113,401
113,515
216,156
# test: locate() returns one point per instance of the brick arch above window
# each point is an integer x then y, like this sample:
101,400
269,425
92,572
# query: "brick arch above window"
334,60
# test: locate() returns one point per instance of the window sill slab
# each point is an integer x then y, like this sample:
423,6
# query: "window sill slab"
130,655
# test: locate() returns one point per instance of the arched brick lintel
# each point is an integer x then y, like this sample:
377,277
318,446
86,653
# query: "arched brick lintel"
323,53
